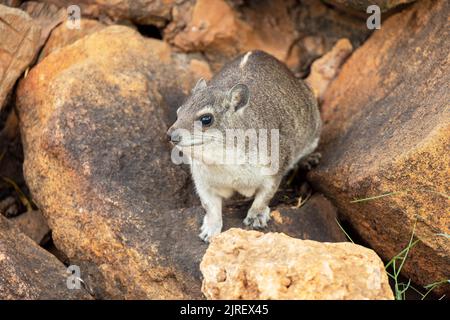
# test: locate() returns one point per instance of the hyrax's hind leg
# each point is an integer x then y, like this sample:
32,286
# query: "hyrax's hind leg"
259,213
310,161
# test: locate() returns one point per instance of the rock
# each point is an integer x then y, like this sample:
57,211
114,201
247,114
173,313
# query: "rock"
47,16
22,35
145,12
221,32
9,128
361,5
62,36
97,161
321,27
326,68
11,3
19,43
387,129
315,220
29,272
242,264
32,224
9,207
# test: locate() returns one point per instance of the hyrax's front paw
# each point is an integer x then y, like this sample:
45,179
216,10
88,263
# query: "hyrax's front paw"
210,228
257,218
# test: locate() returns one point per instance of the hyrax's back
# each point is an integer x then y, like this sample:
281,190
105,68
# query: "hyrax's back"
278,100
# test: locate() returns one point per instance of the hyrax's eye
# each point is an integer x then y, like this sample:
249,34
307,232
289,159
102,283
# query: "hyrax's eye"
206,120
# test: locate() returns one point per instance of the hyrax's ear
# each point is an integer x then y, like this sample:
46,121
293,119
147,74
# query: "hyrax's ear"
238,96
201,84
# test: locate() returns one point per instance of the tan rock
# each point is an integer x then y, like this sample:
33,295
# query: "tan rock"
387,129
62,36
19,43
326,68
47,16
242,264
154,12
320,27
32,224
29,272
221,32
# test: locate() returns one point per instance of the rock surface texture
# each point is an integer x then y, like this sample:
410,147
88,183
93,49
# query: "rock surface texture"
29,272
222,31
361,5
94,118
63,36
19,43
145,12
32,224
327,67
387,129
243,264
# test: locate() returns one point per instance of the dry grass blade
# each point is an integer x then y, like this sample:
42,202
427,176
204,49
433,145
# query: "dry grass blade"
399,192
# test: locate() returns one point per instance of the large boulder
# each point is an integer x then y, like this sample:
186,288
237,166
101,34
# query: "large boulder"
387,132
19,43
243,264
29,272
94,116
22,35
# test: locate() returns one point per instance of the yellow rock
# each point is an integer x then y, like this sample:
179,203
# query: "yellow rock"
243,264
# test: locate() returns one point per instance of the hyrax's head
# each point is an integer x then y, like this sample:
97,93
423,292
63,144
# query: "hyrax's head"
207,113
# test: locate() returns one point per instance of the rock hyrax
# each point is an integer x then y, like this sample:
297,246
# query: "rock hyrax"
242,132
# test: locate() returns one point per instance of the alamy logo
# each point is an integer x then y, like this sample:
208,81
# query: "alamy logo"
256,147
73,17
374,20
73,281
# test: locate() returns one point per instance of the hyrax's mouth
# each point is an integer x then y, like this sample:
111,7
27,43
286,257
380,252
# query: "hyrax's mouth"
188,144
196,141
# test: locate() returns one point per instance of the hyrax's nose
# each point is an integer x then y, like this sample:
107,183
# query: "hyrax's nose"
173,135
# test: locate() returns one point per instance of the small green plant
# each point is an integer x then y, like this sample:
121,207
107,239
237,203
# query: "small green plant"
394,267
430,287
396,264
